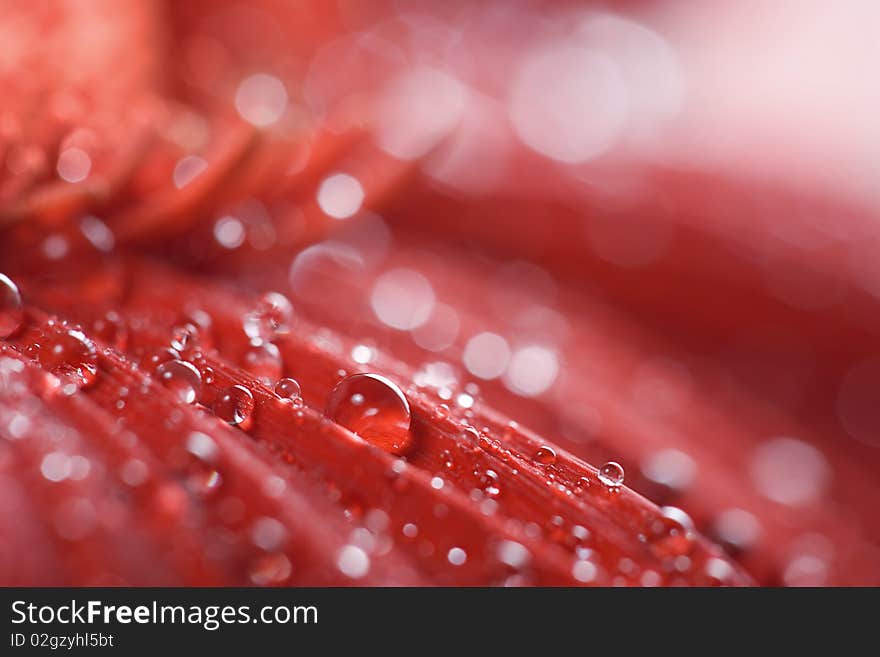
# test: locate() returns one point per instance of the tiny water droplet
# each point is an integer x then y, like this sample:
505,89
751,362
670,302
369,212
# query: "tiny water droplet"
288,390
489,482
545,455
374,408
234,405
71,356
470,434
611,475
181,378
271,317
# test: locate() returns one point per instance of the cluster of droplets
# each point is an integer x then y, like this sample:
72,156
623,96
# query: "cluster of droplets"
370,405
62,349
65,351
182,368
175,365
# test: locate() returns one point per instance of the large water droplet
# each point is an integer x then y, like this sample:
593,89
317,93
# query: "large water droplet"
374,408
234,405
11,313
611,474
272,317
545,455
70,356
181,378
288,390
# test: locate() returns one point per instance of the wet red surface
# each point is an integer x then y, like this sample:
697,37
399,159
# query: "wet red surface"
727,368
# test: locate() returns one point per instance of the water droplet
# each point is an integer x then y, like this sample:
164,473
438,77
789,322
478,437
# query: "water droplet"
545,455
679,517
234,405
272,317
184,337
181,378
489,482
611,475
288,390
11,313
374,408
71,356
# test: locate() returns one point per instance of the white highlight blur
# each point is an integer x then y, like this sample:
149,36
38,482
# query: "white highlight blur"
402,299
568,102
74,165
340,196
790,471
486,355
261,99
418,109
